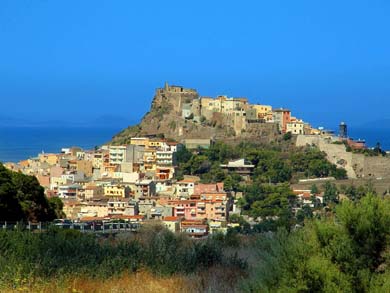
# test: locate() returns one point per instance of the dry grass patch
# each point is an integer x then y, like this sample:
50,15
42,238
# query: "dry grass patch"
141,282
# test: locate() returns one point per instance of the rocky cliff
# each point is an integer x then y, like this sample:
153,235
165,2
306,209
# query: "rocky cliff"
166,119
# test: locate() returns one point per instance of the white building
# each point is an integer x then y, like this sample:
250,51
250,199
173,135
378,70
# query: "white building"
68,191
125,154
165,158
295,127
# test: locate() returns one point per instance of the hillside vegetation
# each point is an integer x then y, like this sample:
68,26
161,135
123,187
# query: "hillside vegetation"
274,163
346,251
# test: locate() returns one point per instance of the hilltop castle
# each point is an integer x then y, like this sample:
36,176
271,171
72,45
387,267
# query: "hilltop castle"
178,112
237,113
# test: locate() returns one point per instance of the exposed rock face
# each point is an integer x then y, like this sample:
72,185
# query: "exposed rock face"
167,118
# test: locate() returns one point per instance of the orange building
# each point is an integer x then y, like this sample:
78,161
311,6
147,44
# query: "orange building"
282,117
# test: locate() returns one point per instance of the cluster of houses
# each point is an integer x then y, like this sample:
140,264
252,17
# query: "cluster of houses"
134,182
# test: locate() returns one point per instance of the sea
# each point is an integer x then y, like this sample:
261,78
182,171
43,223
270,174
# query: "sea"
372,136
19,142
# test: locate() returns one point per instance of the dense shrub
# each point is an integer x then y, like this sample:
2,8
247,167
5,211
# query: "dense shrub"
347,252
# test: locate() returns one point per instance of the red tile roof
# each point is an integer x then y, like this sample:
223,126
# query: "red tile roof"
171,219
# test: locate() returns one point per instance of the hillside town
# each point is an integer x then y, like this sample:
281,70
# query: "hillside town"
136,182
132,182
219,192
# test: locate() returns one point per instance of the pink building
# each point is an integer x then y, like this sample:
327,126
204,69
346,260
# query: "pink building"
208,188
200,209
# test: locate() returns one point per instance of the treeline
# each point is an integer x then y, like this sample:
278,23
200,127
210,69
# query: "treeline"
23,199
273,163
346,251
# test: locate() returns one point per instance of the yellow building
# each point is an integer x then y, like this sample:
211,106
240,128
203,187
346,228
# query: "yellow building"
218,227
172,223
150,159
314,131
222,104
141,141
51,159
157,143
84,166
263,112
116,191
98,160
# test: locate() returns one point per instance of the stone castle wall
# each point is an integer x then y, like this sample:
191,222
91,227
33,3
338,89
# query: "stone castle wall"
356,165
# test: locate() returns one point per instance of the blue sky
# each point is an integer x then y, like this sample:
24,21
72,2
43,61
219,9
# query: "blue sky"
326,60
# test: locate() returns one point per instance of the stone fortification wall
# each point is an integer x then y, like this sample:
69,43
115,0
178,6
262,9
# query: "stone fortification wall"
376,167
356,165
336,153
260,131
174,97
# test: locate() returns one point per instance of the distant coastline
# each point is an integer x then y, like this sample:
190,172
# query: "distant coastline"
22,142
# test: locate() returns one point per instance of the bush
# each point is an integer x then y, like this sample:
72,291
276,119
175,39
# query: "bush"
287,136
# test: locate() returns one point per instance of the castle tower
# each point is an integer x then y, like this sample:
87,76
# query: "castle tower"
166,86
343,130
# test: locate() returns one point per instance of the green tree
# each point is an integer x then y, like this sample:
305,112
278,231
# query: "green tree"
183,155
32,199
10,209
331,194
287,136
22,198
305,213
57,206
232,182
314,189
